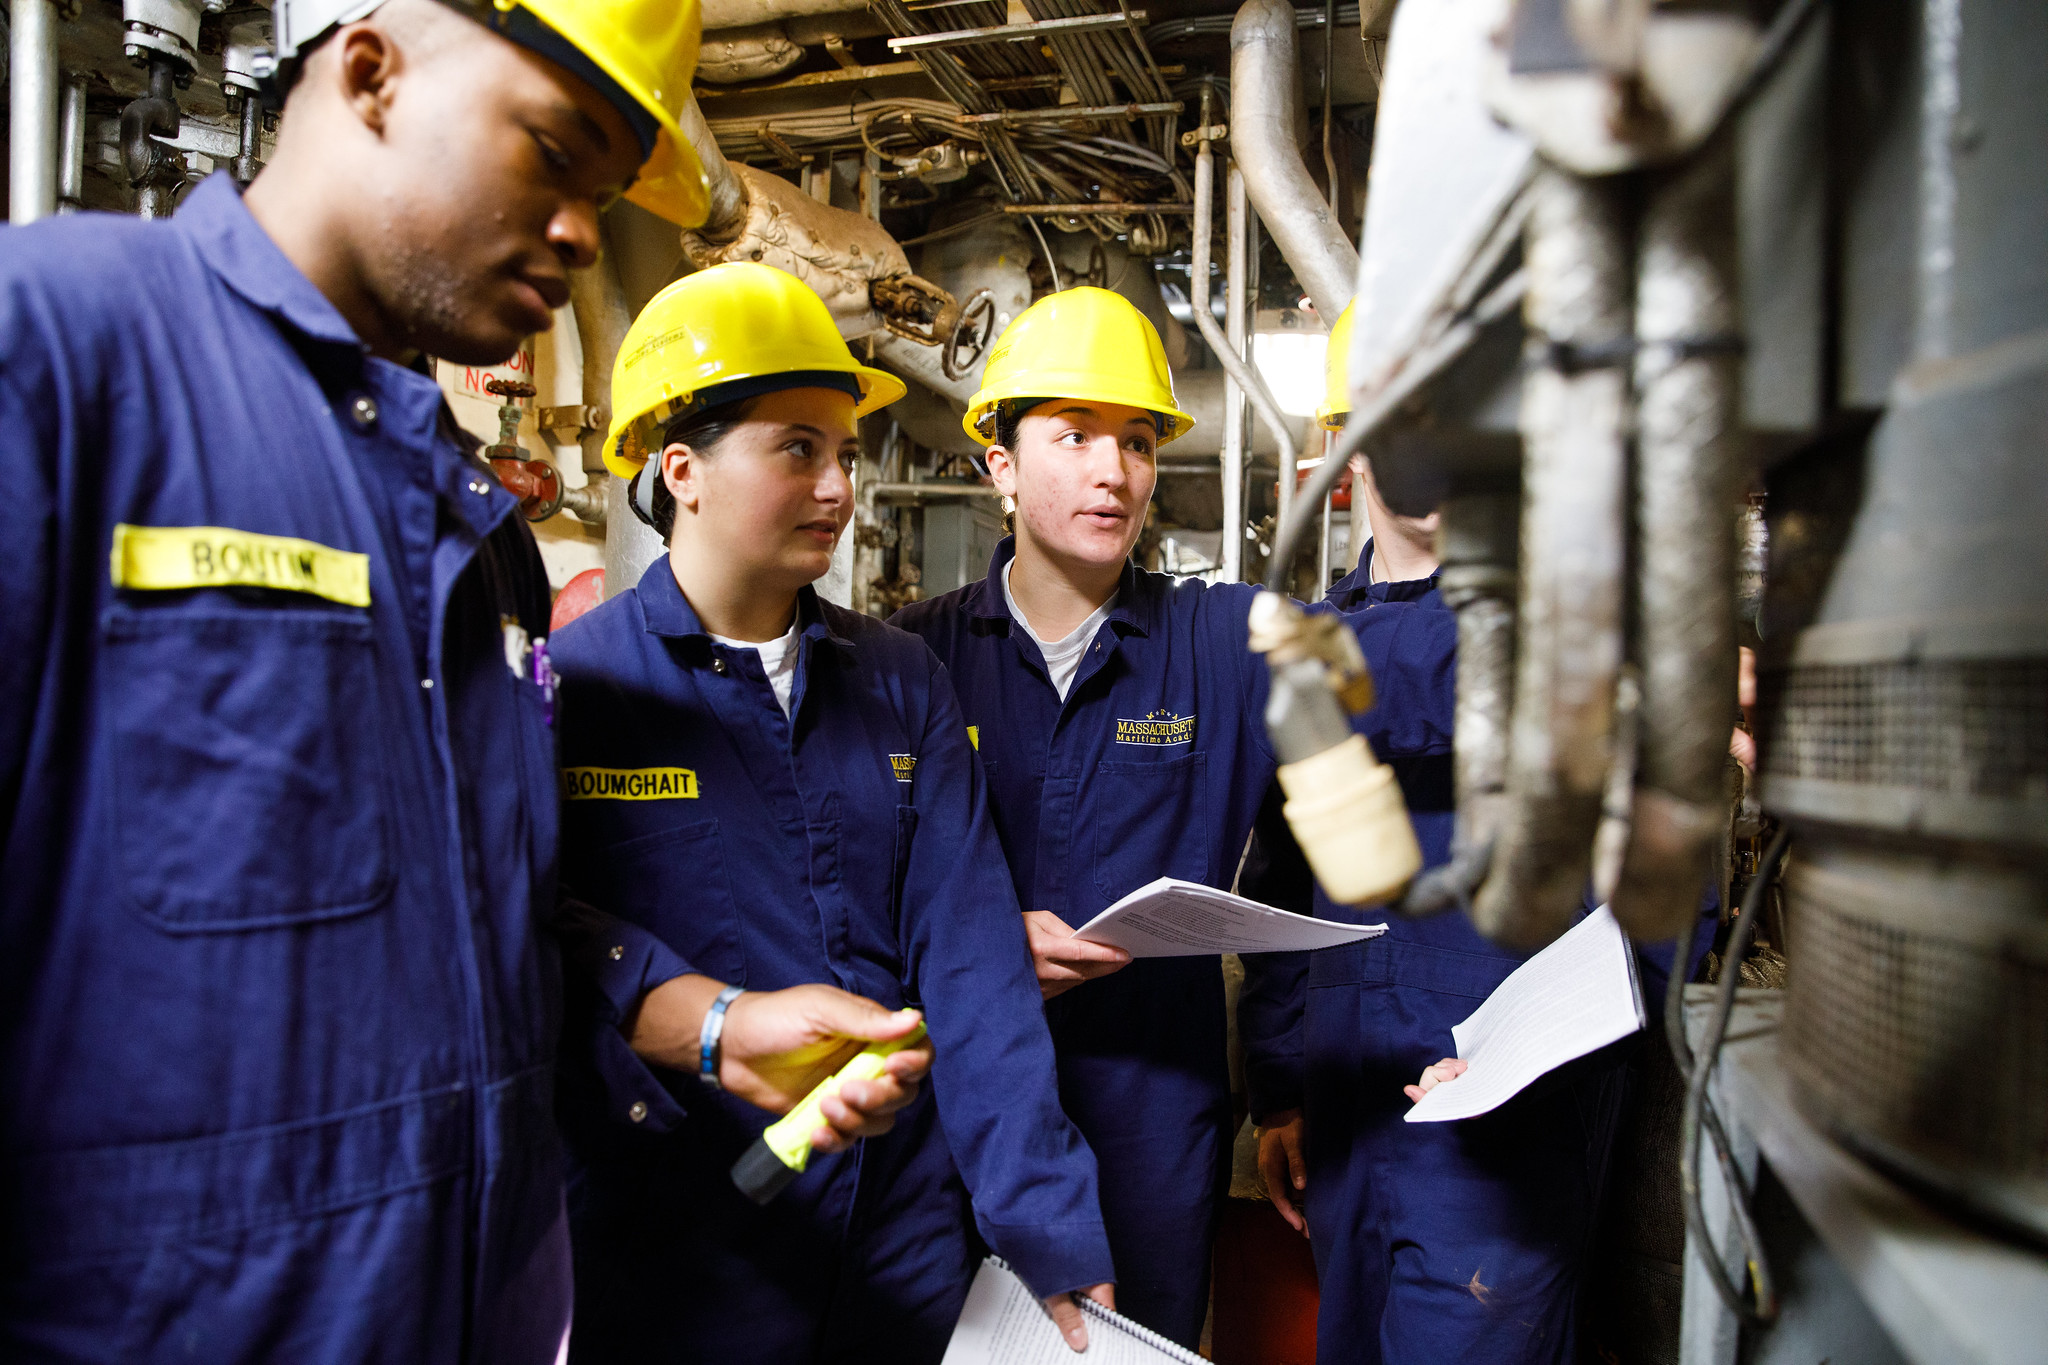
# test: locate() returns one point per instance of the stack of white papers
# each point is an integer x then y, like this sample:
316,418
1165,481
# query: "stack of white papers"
1003,1323
1170,918
1575,997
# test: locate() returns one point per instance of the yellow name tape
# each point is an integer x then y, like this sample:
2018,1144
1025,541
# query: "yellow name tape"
629,784
158,558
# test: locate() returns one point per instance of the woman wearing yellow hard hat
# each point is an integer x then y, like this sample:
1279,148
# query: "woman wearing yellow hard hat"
1118,713
763,791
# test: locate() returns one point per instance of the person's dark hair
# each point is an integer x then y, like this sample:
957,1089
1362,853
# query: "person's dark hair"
701,429
1010,415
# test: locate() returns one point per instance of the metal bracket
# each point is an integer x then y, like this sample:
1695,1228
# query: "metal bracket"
1213,132
578,419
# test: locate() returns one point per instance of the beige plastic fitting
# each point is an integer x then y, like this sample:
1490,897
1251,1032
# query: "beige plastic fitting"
1347,814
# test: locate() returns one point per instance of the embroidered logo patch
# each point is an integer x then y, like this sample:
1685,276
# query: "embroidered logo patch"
904,764
1159,728
167,558
629,784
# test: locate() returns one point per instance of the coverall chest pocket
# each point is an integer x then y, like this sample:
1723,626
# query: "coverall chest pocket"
1149,821
673,883
247,793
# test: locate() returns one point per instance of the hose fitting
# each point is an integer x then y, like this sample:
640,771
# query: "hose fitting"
1342,803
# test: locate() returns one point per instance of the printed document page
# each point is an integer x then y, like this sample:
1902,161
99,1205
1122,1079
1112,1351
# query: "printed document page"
1575,997
1170,918
1005,1324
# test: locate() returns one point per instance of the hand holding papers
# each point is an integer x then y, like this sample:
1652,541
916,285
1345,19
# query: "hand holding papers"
1170,918
1003,1323
1574,997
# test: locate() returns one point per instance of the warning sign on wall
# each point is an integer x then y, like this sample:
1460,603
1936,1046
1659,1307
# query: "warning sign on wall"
468,380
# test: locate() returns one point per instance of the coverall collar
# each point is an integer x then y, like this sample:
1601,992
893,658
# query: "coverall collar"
669,613
1134,613
408,399
235,246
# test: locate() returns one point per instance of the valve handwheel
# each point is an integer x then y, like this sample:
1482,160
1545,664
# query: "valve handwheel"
963,347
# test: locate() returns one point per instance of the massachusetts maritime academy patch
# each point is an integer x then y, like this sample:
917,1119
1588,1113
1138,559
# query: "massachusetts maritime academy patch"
904,764
1160,727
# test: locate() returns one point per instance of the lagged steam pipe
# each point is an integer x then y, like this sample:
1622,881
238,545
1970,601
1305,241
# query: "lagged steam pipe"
1692,465
1476,536
1265,96
1574,469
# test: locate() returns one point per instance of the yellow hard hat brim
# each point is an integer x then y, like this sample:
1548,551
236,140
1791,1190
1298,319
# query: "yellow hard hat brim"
672,184
878,389
1331,419
1084,387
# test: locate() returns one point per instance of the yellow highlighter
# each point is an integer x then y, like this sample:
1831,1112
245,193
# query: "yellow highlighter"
780,1154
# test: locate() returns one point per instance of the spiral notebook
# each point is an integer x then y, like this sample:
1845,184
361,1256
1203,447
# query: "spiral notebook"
1005,1324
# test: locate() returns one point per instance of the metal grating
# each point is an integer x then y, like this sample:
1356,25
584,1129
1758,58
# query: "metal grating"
1922,1043
1962,728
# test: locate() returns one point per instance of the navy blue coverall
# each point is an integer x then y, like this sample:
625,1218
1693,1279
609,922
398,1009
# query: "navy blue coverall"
1154,766
848,844
276,1021
1438,1241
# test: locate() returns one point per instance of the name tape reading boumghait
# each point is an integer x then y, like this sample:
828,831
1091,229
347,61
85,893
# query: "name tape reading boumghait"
629,784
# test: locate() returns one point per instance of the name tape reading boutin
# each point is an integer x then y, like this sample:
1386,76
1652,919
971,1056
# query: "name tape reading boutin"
169,558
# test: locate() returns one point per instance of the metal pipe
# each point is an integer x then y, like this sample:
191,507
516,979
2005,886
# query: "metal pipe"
1265,94
1574,473
1233,364
1236,257
71,146
1691,473
32,110
894,493
1066,113
602,316
1095,208
1015,33
1323,551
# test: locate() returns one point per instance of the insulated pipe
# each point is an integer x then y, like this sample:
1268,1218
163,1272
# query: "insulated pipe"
1691,471
1265,96
718,14
1476,537
32,110
728,196
1233,364
1574,477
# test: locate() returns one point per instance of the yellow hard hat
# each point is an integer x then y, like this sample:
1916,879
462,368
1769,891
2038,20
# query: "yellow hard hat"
1337,374
649,48
716,328
1079,343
